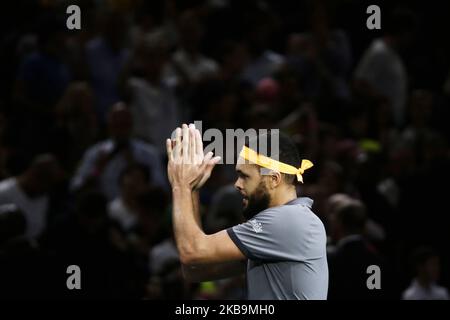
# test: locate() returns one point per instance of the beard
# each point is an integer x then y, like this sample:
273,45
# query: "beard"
257,202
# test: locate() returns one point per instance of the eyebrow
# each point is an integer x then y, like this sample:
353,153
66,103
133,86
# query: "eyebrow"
240,172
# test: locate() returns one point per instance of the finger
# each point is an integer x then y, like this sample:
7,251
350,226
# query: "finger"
192,155
215,160
169,149
177,150
211,164
185,152
205,161
194,144
208,158
209,168
198,144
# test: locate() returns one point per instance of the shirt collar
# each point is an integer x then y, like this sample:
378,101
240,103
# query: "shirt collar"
308,202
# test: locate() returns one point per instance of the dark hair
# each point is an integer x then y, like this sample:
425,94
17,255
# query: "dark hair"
287,150
352,216
421,255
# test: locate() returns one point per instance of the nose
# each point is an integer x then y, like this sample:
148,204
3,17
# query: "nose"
238,184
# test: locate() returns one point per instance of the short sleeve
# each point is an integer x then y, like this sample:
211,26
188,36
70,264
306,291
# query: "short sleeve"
270,236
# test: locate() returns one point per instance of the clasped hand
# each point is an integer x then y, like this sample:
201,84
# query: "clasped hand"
188,166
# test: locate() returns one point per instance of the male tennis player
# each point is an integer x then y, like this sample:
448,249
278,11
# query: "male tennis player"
283,241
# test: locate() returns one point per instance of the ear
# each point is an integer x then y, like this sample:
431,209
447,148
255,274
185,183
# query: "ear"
275,179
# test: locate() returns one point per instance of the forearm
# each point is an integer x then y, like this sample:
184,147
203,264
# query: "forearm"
188,234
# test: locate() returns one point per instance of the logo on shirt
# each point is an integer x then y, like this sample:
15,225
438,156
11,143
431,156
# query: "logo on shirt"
257,226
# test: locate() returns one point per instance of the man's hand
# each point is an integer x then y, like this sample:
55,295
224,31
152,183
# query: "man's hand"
208,161
187,166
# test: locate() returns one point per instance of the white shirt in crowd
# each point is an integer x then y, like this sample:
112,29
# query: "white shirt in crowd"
142,152
195,69
417,292
155,112
34,209
119,212
162,254
383,69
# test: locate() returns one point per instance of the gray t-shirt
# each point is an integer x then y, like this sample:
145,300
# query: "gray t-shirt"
286,248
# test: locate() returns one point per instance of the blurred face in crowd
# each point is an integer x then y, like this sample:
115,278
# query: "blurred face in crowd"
191,30
45,172
151,57
333,205
430,270
252,186
120,122
335,229
237,58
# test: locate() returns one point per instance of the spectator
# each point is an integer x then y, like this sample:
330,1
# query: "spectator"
88,239
133,181
76,123
426,274
106,56
263,62
43,75
382,72
17,254
153,103
102,163
190,64
352,255
30,192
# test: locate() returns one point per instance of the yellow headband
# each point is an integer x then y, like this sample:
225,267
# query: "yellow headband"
268,163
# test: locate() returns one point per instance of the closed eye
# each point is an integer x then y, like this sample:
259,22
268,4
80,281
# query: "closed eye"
241,174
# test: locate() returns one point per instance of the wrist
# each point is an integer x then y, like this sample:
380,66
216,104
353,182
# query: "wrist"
181,188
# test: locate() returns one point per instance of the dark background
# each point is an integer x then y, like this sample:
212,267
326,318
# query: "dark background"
57,87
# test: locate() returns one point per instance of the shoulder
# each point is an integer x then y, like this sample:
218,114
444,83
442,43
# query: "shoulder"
441,293
7,184
96,148
136,83
291,219
273,57
409,293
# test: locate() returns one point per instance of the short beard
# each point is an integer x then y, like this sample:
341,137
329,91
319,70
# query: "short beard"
257,202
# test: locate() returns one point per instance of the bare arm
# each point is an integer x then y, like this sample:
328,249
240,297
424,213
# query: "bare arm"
194,246
185,169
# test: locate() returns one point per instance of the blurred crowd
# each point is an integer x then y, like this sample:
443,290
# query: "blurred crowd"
84,115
